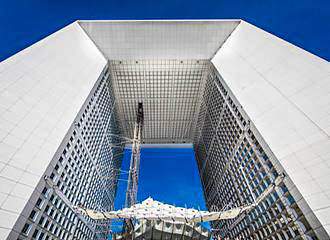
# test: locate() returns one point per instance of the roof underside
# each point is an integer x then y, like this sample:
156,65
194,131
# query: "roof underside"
169,90
163,64
137,40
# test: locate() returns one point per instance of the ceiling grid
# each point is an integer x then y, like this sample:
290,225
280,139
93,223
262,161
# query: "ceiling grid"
169,90
163,64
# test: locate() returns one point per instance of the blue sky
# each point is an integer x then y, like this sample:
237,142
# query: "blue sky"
304,23
166,174
169,175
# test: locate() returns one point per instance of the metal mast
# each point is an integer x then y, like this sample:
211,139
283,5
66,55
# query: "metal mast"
133,177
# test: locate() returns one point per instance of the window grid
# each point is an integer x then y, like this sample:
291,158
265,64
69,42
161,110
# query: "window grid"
169,90
226,151
84,173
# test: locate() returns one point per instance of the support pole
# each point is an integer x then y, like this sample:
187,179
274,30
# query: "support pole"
133,175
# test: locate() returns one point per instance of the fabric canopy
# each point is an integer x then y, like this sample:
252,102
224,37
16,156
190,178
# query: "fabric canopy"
154,210
150,209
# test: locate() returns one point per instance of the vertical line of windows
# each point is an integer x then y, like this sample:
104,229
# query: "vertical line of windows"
227,152
73,178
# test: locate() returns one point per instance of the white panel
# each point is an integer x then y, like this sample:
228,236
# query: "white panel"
136,40
4,233
39,100
286,92
14,204
7,220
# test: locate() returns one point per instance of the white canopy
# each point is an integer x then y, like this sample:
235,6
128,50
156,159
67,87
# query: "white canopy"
150,209
169,230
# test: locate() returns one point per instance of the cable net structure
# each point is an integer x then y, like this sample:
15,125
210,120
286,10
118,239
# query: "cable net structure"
133,174
133,177
151,214
151,219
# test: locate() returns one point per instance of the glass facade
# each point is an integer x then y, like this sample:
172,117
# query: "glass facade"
84,172
235,170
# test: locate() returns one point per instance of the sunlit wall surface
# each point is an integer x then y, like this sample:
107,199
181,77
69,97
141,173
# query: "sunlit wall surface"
236,169
57,117
79,174
285,92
